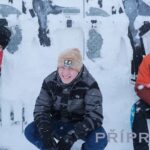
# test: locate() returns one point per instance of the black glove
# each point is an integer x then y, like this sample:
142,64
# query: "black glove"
49,143
47,138
66,142
82,129
4,36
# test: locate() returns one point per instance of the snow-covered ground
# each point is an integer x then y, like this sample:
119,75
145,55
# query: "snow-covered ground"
24,71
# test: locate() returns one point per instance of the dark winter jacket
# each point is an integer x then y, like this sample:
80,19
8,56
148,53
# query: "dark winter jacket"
79,102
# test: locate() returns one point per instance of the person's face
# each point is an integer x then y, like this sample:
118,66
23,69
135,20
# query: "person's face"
67,74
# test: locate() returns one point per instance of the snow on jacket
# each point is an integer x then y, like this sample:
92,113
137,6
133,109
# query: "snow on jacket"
142,86
79,102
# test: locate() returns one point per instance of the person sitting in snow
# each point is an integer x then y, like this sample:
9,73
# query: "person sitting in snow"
68,108
5,34
142,107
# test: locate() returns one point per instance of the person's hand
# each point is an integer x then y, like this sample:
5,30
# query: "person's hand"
47,138
66,142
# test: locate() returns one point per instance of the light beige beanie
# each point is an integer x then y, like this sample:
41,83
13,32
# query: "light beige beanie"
71,58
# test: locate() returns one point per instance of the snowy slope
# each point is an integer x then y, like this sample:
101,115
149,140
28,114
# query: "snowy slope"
24,71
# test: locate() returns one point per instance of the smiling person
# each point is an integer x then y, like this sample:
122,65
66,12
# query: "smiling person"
68,108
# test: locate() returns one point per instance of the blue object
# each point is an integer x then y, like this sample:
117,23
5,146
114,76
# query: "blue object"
132,114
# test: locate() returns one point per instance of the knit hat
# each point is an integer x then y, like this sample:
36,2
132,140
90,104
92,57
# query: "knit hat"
71,58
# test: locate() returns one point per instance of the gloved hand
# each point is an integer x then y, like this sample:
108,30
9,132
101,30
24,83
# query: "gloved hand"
49,143
47,138
66,142
82,129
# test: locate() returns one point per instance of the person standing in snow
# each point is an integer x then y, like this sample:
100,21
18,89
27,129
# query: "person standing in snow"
68,108
142,107
5,34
